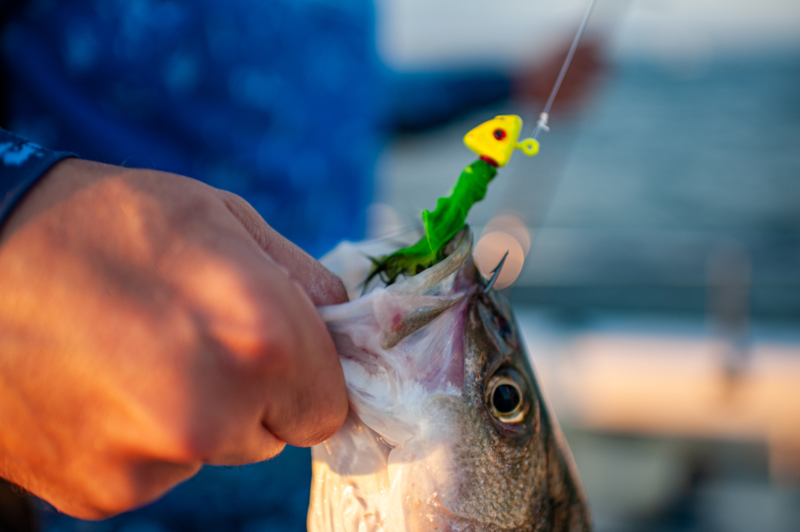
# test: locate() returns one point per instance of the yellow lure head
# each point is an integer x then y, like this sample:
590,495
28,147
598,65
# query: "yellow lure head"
495,140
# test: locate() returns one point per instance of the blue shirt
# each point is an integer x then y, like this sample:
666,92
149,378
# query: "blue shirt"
279,101
275,101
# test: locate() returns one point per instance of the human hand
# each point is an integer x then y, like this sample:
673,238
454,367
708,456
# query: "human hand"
150,324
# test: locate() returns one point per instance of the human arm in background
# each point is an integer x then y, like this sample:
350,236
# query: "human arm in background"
419,101
150,324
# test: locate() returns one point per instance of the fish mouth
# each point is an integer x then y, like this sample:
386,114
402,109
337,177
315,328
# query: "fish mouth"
433,354
418,300
403,344
432,280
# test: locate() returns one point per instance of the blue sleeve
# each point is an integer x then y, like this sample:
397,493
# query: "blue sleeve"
22,163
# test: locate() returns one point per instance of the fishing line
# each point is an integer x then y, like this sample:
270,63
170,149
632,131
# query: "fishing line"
541,124
544,116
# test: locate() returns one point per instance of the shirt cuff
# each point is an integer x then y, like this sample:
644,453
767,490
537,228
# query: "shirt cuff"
22,163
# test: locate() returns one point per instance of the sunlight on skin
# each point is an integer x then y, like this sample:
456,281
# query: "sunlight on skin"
151,324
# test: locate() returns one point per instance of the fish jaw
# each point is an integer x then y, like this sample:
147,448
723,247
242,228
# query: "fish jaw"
392,361
391,389
387,466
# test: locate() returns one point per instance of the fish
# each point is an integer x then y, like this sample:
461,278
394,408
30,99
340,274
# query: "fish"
448,428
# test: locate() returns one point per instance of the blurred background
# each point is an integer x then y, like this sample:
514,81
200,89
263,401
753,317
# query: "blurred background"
657,272
654,241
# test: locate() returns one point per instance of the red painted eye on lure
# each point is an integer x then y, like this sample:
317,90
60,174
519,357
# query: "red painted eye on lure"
499,134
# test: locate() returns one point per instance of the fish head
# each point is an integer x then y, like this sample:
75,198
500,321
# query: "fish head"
448,428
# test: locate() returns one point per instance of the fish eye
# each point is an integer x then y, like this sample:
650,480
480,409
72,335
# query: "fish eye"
505,398
499,134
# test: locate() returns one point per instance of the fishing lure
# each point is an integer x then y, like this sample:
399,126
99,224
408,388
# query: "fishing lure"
494,142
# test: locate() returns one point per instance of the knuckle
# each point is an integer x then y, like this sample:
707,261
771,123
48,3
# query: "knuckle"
136,486
325,432
256,350
116,496
195,206
338,291
325,414
253,223
197,439
320,428
115,503
193,446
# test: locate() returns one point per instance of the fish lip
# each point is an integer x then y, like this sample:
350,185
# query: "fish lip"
430,285
425,282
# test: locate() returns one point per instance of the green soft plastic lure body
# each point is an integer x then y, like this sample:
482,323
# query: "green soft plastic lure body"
494,141
441,225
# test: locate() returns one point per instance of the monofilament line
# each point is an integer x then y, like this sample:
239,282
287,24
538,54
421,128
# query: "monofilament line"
545,115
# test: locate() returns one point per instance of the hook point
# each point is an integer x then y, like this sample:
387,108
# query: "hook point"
495,273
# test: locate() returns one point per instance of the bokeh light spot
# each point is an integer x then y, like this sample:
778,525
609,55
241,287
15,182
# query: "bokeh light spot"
513,225
490,250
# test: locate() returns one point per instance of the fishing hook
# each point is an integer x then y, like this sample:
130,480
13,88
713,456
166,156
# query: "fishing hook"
495,273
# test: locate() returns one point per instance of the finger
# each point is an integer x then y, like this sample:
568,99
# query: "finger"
280,379
322,286
308,402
